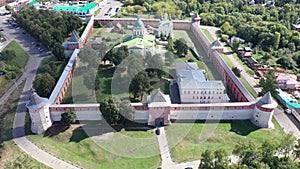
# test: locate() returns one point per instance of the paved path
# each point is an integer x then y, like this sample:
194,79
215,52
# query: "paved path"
167,162
283,119
29,73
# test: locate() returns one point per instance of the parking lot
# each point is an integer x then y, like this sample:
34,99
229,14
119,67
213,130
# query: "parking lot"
11,30
110,8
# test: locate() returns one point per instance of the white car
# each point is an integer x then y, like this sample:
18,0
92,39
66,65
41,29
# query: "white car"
287,111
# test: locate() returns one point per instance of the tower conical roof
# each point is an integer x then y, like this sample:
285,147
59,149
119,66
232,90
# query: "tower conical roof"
266,99
138,23
74,37
158,96
35,101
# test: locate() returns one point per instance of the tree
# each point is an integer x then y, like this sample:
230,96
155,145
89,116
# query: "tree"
268,84
126,111
170,46
154,65
235,45
268,150
206,161
287,62
89,81
58,51
297,150
116,112
109,111
236,71
181,47
140,85
226,28
286,145
43,84
68,117
89,56
221,159
169,58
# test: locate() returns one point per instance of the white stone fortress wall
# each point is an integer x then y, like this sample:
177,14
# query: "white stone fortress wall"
245,109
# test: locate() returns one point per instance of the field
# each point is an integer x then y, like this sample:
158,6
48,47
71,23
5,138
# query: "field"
20,61
123,149
193,139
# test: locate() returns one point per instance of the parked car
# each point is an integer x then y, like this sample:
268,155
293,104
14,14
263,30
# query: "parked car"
287,111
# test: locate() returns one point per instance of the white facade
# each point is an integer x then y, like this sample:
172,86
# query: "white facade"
195,88
165,26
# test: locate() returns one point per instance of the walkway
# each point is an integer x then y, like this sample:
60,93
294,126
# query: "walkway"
282,118
167,162
29,73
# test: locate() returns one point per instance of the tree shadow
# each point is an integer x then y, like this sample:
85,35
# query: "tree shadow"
243,127
90,129
55,129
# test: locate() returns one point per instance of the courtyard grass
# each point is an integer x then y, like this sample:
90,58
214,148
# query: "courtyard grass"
193,139
103,151
20,61
208,35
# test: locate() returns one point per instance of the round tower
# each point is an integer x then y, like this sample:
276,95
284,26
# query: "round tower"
88,16
196,19
39,113
263,111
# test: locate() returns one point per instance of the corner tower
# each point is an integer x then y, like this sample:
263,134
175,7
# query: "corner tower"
263,111
88,16
196,19
39,113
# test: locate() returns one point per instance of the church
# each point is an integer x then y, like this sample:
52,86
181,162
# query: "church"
140,41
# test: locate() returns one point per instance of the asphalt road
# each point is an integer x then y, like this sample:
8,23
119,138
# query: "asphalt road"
29,73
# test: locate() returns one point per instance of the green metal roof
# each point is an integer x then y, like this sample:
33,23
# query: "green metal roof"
75,8
138,42
33,3
65,8
87,7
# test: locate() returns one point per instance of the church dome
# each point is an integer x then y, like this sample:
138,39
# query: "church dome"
138,23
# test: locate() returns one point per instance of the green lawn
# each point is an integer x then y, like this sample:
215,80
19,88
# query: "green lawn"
110,38
124,149
242,78
188,141
20,61
248,86
208,35
22,56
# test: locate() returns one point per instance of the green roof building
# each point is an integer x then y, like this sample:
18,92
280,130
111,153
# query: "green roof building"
78,10
139,41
